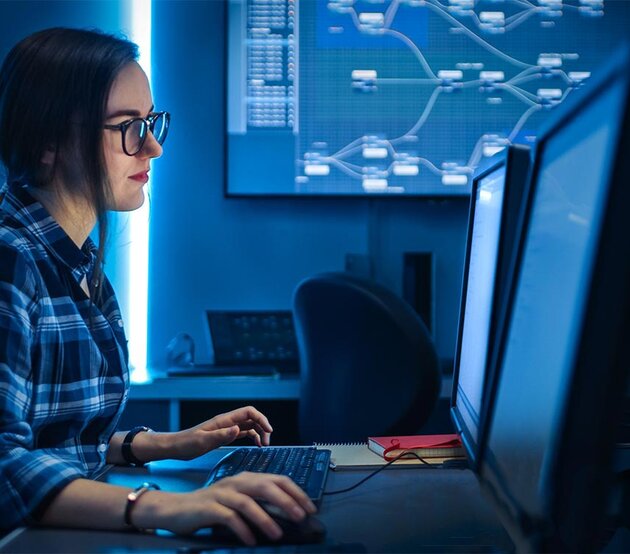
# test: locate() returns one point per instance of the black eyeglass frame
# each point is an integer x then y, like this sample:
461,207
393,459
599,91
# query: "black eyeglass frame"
149,124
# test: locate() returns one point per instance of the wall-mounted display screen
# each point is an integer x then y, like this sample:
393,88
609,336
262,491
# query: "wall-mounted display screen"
398,97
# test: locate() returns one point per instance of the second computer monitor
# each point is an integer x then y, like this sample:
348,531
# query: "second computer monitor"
498,191
563,359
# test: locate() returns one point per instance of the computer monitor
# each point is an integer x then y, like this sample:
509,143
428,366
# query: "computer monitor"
253,338
396,98
498,191
563,358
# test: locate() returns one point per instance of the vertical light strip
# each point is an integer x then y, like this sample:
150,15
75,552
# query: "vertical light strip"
139,222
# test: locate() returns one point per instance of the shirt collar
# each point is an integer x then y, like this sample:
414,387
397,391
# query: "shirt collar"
18,205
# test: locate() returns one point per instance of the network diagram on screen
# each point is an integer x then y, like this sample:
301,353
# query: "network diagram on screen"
398,97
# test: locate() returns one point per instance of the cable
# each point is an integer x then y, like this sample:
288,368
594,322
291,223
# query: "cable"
402,455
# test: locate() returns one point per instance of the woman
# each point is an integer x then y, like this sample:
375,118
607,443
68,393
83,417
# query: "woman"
77,133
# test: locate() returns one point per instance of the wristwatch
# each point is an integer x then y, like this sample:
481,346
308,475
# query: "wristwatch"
127,454
132,498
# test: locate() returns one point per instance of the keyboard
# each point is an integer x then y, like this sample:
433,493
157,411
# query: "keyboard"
307,466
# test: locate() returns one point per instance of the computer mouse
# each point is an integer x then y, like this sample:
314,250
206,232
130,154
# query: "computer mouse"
309,530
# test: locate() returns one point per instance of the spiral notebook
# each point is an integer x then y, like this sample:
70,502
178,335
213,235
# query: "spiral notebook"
358,456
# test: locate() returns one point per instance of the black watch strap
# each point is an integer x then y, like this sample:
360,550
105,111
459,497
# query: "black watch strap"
127,454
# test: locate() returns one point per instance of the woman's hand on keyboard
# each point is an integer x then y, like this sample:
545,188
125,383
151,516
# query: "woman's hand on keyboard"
218,431
228,502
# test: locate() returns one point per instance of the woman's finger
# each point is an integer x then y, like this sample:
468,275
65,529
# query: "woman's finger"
295,492
276,489
261,439
254,514
250,413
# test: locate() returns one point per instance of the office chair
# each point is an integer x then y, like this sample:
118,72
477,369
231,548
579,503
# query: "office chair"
368,364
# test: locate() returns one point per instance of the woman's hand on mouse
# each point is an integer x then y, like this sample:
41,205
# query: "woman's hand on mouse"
228,502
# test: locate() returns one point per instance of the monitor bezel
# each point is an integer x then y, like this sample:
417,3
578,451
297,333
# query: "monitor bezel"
568,525
516,161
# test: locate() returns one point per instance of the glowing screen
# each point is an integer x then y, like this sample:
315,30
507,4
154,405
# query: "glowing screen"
382,97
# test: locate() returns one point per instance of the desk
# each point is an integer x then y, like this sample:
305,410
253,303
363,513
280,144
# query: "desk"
399,510
173,390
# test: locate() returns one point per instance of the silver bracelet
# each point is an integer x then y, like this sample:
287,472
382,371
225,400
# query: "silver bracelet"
132,498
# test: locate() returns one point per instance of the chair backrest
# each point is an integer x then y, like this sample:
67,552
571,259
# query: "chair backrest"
368,364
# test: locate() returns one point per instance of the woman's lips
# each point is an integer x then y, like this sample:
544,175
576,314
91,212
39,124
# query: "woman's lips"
141,177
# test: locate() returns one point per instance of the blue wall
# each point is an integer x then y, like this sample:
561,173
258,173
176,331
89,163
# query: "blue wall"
211,252
19,18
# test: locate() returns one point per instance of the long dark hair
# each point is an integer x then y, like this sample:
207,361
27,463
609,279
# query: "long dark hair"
54,86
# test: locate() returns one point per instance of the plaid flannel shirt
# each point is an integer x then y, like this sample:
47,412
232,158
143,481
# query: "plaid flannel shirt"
63,360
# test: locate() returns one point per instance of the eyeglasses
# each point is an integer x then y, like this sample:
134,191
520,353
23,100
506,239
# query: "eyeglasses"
134,131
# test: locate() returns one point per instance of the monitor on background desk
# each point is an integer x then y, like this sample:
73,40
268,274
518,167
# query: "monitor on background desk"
498,192
253,337
557,394
254,343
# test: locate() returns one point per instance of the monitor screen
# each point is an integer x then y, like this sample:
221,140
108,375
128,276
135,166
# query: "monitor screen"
557,264
396,98
260,337
478,293
496,205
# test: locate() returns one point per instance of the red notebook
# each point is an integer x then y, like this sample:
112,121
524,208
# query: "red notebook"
426,446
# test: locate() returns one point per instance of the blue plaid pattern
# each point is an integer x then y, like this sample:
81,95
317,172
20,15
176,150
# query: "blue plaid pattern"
63,360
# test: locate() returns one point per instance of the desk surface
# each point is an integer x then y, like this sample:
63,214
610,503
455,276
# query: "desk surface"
399,510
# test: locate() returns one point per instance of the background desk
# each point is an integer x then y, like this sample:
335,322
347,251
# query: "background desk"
399,510
174,403
170,392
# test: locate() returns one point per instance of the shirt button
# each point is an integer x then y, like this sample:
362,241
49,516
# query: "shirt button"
120,323
102,447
